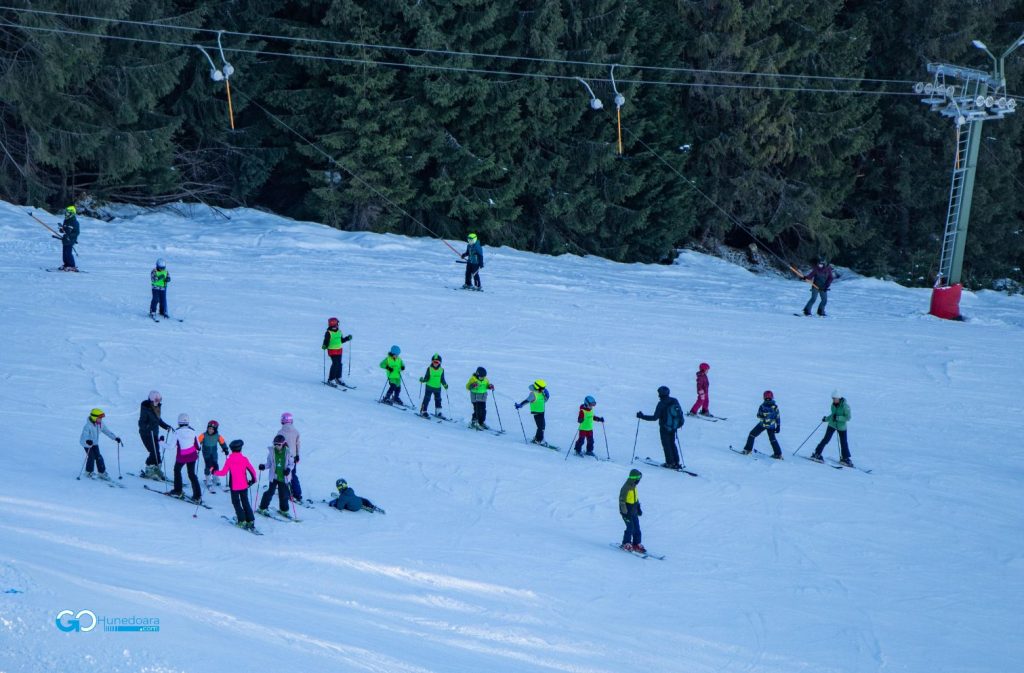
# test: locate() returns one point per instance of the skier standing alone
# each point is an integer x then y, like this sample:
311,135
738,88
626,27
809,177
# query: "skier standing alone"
474,257
837,419
333,344
770,420
393,366
586,420
433,381
69,230
90,441
158,279
150,425
537,399
821,280
703,397
630,510
669,415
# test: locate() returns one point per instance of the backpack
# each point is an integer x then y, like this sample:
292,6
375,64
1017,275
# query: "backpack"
674,417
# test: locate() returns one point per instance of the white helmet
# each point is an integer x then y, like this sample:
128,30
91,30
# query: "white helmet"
182,419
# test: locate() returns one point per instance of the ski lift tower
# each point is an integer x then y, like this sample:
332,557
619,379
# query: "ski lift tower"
969,97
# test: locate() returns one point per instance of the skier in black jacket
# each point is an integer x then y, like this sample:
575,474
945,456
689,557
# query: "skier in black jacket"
68,238
669,415
150,424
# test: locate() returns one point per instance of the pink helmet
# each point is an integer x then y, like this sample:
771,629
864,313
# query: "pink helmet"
704,366
286,418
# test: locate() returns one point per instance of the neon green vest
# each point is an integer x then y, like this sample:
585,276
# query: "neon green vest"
396,364
537,406
434,377
160,278
480,387
335,340
588,419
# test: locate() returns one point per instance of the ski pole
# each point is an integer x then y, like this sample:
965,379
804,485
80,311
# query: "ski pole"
679,448
383,390
325,366
79,477
808,437
256,494
525,440
605,433
119,460
500,426
404,385
448,399
350,360
571,443
635,437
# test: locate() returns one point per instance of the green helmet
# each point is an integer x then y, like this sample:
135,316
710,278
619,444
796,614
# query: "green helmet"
70,211
635,475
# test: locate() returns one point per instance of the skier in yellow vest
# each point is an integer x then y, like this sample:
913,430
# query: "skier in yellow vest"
537,400
392,364
630,510
478,385
159,278
333,344
433,381
586,420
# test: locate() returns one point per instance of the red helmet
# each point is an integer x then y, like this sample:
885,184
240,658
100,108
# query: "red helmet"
332,322
769,395
704,366
213,424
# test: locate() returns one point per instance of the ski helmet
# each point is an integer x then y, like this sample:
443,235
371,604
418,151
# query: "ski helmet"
286,418
213,424
663,391
182,419
236,445
480,372
70,211
332,322
160,263
589,400
341,484
769,395
836,395
155,397
821,261
279,440
96,414
704,366
395,350
436,357
472,238
540,384
635,474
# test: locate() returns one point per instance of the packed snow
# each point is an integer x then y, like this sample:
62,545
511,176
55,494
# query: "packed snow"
495,555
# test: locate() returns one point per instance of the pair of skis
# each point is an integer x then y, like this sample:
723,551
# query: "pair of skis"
234,523
638,554
154,318
707,417
343,387
181,497
654,463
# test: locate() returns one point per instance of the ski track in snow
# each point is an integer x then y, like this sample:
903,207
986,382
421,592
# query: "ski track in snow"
494,553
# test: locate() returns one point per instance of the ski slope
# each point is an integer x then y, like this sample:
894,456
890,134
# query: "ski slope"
494,555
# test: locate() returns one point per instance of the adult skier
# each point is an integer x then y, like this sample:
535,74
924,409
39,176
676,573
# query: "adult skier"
474,257
537,399
770,420
392,364
839,416
210,441
279,462
186,444
159,277
478,385
630,510
821,280
333,340
347,499
586,420
90,441
150,425
241,475
294,441
69,231
669,415
433,380
703,398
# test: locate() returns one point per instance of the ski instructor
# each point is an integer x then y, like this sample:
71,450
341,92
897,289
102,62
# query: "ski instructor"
669,415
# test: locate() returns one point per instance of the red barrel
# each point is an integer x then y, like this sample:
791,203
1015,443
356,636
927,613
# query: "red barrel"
946,302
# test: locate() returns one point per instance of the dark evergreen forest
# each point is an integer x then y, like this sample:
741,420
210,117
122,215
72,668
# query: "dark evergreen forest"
838,157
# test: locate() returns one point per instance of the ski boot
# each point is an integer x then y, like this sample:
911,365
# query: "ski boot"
816,457
846,462
639,548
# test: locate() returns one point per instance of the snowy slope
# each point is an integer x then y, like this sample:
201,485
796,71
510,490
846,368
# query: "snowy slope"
494,555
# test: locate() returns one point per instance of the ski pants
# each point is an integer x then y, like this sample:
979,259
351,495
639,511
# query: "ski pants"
844,447
193,480
394,393
68,252
589,436
335,373
153,446
632,521
758,429
703,399
159,299
480,411
427,393
472,274
281,488
240,501
538,418
815,292
210,462
350,504
294,484
93,456
668,445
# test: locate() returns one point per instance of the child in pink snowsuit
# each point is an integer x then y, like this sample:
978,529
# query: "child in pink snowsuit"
702,391
238,468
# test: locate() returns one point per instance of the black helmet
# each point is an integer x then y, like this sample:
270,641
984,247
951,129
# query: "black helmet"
236,445
481,372
341,484
663,391
280,440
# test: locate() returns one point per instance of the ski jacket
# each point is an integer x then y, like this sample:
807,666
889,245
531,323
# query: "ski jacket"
821,276
91,432
347,499
237,467
839,415
434,378
291,436
768,412
186,444
478,388
333,341
279,461
474,254
702,383
628,496
394,366
661,413
149,419
160,278
69,231
211,442
586,418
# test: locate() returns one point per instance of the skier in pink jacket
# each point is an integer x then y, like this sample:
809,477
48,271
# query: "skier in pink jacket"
186,441
238,468
703,399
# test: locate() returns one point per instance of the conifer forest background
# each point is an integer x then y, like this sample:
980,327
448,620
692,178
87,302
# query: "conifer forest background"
841,160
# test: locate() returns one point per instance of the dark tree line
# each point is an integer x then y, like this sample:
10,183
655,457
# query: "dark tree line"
807,166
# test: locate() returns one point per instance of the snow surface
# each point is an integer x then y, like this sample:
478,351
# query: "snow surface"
494,555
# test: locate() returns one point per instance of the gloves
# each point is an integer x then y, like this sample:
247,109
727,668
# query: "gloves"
490,386
251,482
519,405
778,430
323,348
445,386
639,414
117,439
639,510
422,379
161,438
287,471
824,418
88,442
262,467
390,369
224,450
345,340
55,236
598,419
296,460
463,255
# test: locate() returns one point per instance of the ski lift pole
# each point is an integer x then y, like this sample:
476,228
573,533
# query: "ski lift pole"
48,228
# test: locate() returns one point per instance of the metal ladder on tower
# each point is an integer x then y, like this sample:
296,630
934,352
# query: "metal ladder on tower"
956,193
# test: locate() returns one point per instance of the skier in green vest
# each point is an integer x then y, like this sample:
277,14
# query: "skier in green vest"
393,365
586,420
478,385
333,340
537,400
159,278
433,381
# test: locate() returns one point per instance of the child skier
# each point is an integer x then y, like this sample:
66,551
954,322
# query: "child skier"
238,470
537,400
474,257
279,462
433,380
210,441
702,391
770,421
393,365
333,341
187,444
150,425
586,420
68,238
347,499
159,278
90,441
478,385
837,420
630,510
294,441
